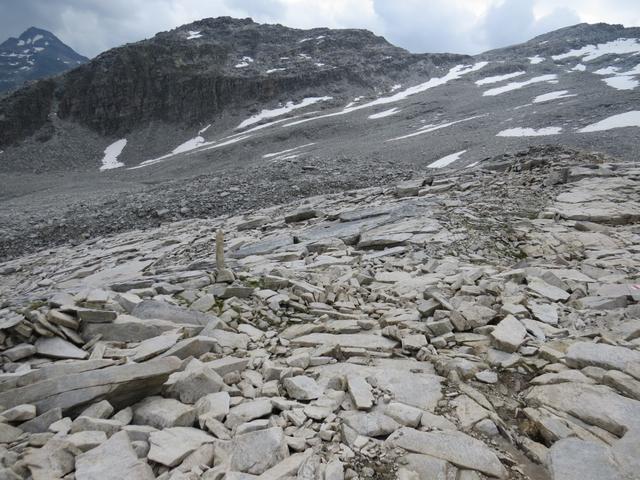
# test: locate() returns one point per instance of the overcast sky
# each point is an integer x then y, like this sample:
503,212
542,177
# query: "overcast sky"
459,26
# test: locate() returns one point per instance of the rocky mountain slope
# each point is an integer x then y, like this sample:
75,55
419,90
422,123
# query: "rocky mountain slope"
35,54
465,324
227,115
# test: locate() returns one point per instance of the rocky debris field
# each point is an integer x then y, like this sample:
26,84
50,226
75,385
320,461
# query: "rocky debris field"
33,222
478,323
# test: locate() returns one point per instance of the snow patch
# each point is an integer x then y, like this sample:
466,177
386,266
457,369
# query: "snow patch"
395,87
536,59
579,68
277,154
498,78
273,70
200,132
289,106
36,38
20,43
518,85
444,161
622,120
552,96
194,34
111,154
591,52
621,82
607,71
432,128
529,132
225,143
386,113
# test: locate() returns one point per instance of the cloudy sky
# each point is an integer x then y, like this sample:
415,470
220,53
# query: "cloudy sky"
460,26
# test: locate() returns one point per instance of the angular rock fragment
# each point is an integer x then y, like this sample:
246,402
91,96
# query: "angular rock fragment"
56,347
455,447
255,452
509,334
302,387
172,445
163,413
113,460
360,392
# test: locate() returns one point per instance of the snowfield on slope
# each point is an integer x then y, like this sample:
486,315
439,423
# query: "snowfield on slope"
529,132
445,161
622,120
498,78
591,52
455,73
111,154
518,85
276,112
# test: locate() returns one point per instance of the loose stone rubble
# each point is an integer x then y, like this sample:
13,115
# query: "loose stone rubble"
484,323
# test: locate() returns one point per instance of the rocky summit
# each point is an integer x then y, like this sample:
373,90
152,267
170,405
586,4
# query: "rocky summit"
475,323
35,54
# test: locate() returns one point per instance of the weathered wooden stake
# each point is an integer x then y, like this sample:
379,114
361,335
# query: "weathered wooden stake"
220,249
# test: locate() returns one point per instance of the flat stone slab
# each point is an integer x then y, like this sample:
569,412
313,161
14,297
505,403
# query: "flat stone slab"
126,328
373,424
153,309
545,290
248,411
256,452
410,382
115,459
455,447
575,459
172,445
121,385
354,340
263,247
585,354
56,347
594,404
162,412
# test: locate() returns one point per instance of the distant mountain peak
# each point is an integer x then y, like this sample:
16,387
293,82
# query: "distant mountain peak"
35,54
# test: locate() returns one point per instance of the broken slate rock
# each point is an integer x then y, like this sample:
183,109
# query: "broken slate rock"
163,413
115,459
256,452
455,447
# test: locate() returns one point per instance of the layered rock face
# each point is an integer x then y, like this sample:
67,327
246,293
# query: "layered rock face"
475,323
197,71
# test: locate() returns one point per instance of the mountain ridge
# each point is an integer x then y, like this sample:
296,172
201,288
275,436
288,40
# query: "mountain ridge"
33,55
